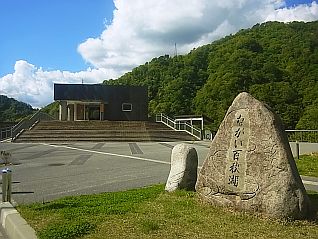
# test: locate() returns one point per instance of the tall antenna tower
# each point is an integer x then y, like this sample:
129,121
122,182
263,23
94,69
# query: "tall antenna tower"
175,49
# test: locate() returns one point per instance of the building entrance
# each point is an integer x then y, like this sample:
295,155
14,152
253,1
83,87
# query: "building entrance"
92,112
85,111
80,114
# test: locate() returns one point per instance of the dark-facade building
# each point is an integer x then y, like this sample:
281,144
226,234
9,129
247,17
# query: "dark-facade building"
101,102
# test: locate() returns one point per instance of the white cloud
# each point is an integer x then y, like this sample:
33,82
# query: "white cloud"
143,29
302,12
35,86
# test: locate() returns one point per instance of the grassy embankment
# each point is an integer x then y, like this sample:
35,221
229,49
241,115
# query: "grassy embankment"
308,165
152,213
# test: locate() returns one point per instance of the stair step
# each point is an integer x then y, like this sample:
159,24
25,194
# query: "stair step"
66,131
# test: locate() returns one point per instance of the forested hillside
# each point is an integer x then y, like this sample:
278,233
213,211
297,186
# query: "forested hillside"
12,110
52,109
275,62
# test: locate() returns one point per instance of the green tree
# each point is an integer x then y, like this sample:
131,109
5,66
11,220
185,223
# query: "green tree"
12,110
275,62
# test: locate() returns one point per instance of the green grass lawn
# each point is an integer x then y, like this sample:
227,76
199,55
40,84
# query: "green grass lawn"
308,165
152,213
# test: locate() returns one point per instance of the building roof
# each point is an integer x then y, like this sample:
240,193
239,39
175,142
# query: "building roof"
96,92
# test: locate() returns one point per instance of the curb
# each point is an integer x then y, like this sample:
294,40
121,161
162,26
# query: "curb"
313,179
14,225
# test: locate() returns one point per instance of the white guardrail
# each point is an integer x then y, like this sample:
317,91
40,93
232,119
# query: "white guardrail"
13,131
179,126
310,136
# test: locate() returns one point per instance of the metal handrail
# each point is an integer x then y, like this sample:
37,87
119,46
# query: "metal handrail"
27,123
301,130
179,126
310,136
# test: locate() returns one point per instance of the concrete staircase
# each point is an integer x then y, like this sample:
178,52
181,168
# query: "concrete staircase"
101,131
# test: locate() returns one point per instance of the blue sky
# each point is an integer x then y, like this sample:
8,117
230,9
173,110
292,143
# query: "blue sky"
47,32
297,2
67,41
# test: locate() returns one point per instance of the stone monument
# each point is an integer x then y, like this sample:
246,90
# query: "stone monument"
183,172
250,166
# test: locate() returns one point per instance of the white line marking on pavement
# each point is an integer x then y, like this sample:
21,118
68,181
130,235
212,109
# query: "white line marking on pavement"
310,182
110,154
138,158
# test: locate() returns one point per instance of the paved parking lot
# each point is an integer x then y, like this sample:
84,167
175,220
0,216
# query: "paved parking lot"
45,171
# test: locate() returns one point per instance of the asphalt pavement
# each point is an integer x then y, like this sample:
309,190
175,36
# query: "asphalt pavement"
44,172
3,234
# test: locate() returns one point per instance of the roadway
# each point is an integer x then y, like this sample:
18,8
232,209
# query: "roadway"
44,172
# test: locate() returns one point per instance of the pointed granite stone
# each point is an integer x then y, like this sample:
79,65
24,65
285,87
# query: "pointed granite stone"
250,166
